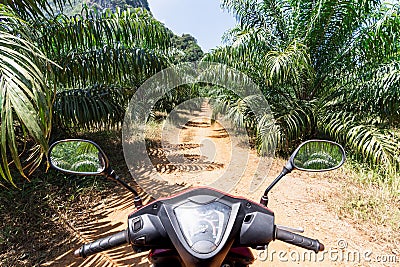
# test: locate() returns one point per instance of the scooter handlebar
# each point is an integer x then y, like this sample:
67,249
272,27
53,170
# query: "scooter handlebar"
102,244
299,240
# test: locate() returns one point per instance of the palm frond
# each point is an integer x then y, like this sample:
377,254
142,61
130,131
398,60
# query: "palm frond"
326,67
373,144
25,103
261,14
109,64
124,47
268,135
100,106
374,92
28,9
288,66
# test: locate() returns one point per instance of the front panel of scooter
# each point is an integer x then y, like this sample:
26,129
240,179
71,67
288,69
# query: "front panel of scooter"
202,225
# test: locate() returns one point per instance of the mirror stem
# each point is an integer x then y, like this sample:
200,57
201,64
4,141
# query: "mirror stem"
113,176
264,199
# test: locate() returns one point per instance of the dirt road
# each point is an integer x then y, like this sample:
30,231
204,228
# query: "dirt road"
298,201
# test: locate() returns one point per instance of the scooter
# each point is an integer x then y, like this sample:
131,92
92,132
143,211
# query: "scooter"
201,226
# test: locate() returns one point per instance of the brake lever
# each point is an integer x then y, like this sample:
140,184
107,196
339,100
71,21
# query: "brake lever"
290,229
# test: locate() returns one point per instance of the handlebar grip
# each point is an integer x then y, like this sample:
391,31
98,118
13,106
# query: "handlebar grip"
102,244
299,240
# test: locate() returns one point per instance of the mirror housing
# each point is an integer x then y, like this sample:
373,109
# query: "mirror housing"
312,155
84,157
317,156
78,156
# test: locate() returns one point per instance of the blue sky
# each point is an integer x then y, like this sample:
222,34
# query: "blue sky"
203,19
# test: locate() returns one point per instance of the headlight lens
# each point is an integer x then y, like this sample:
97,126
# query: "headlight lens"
203,226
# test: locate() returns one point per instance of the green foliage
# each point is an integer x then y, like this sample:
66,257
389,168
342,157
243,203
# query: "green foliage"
25,98
76,6
76,156
318,156
103,47
98,106
91,63
188,49
28,9
124,4
104,57
328,69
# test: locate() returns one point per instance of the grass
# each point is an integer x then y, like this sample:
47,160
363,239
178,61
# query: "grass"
369,199
33,219
31,229
153,130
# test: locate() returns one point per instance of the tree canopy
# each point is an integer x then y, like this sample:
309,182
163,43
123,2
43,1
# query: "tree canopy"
328,68
70,71
188,49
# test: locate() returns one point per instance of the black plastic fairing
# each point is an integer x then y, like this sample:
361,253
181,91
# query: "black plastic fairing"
202,254
147,231
257,229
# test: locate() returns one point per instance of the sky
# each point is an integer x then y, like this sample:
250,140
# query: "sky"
203,19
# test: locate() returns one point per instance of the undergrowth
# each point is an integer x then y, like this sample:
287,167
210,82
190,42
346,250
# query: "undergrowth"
370,199
32,227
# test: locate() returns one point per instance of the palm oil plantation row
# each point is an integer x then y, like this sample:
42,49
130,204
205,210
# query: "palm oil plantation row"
328,68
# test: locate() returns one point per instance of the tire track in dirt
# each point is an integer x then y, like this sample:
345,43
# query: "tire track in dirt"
297,201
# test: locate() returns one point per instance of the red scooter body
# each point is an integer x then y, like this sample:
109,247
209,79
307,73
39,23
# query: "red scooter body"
201,227
237,257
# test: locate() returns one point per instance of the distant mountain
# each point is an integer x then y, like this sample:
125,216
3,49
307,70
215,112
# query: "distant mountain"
76,5
187,45
123,4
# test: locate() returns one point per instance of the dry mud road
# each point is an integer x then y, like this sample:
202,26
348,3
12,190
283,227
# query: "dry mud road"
298,201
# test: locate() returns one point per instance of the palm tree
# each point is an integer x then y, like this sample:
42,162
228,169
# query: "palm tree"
104,57
328,68
86,67
25,100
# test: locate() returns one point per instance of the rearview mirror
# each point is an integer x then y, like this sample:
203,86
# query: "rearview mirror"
314,156
77,156
318,156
